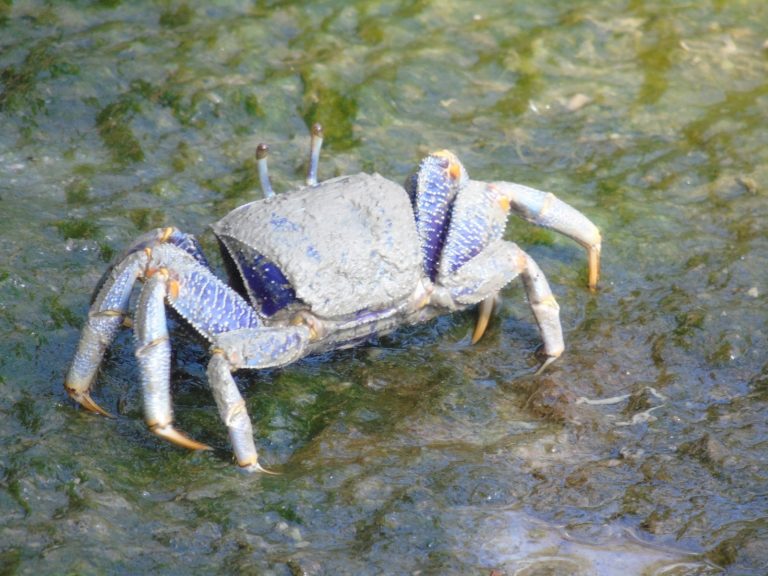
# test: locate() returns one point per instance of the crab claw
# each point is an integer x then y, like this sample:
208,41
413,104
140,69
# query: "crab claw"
84,399
168,432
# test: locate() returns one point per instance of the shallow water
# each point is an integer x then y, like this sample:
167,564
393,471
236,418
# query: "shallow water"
641,451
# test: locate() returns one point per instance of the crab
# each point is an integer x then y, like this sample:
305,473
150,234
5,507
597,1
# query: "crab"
324,267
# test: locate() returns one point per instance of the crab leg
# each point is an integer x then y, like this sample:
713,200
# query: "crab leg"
544,306
109,309
175,278
316,143
232,410
153,353
107,313
249,349
221,315
546,210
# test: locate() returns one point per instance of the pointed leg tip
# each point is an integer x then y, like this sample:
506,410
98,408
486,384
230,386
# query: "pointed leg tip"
594,277
484,312
253,467
85,400
594,268
478,332
547,361
168,432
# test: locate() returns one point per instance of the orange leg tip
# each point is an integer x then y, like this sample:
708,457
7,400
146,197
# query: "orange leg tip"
168,432
484,311
85,400
594,269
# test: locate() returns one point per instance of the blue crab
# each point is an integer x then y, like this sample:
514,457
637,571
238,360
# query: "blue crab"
323,267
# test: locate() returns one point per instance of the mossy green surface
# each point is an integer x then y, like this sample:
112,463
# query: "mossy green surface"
417,453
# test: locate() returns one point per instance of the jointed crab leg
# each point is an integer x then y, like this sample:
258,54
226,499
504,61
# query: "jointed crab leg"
232,410
172,268
107,313
109,309
153,353
545,209
544,306
316,143
248,349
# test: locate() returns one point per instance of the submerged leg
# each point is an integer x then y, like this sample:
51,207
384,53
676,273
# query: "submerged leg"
546,210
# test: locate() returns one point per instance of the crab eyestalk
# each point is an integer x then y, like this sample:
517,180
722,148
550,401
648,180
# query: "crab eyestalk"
316,142
262,150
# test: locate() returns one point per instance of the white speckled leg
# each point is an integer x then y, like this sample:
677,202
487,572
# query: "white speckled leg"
544,306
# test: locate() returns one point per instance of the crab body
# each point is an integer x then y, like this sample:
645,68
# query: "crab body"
323,267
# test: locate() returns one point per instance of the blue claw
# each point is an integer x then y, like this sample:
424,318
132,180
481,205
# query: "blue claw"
432,190
479,217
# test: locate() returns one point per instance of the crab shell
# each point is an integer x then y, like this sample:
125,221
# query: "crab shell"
346,245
